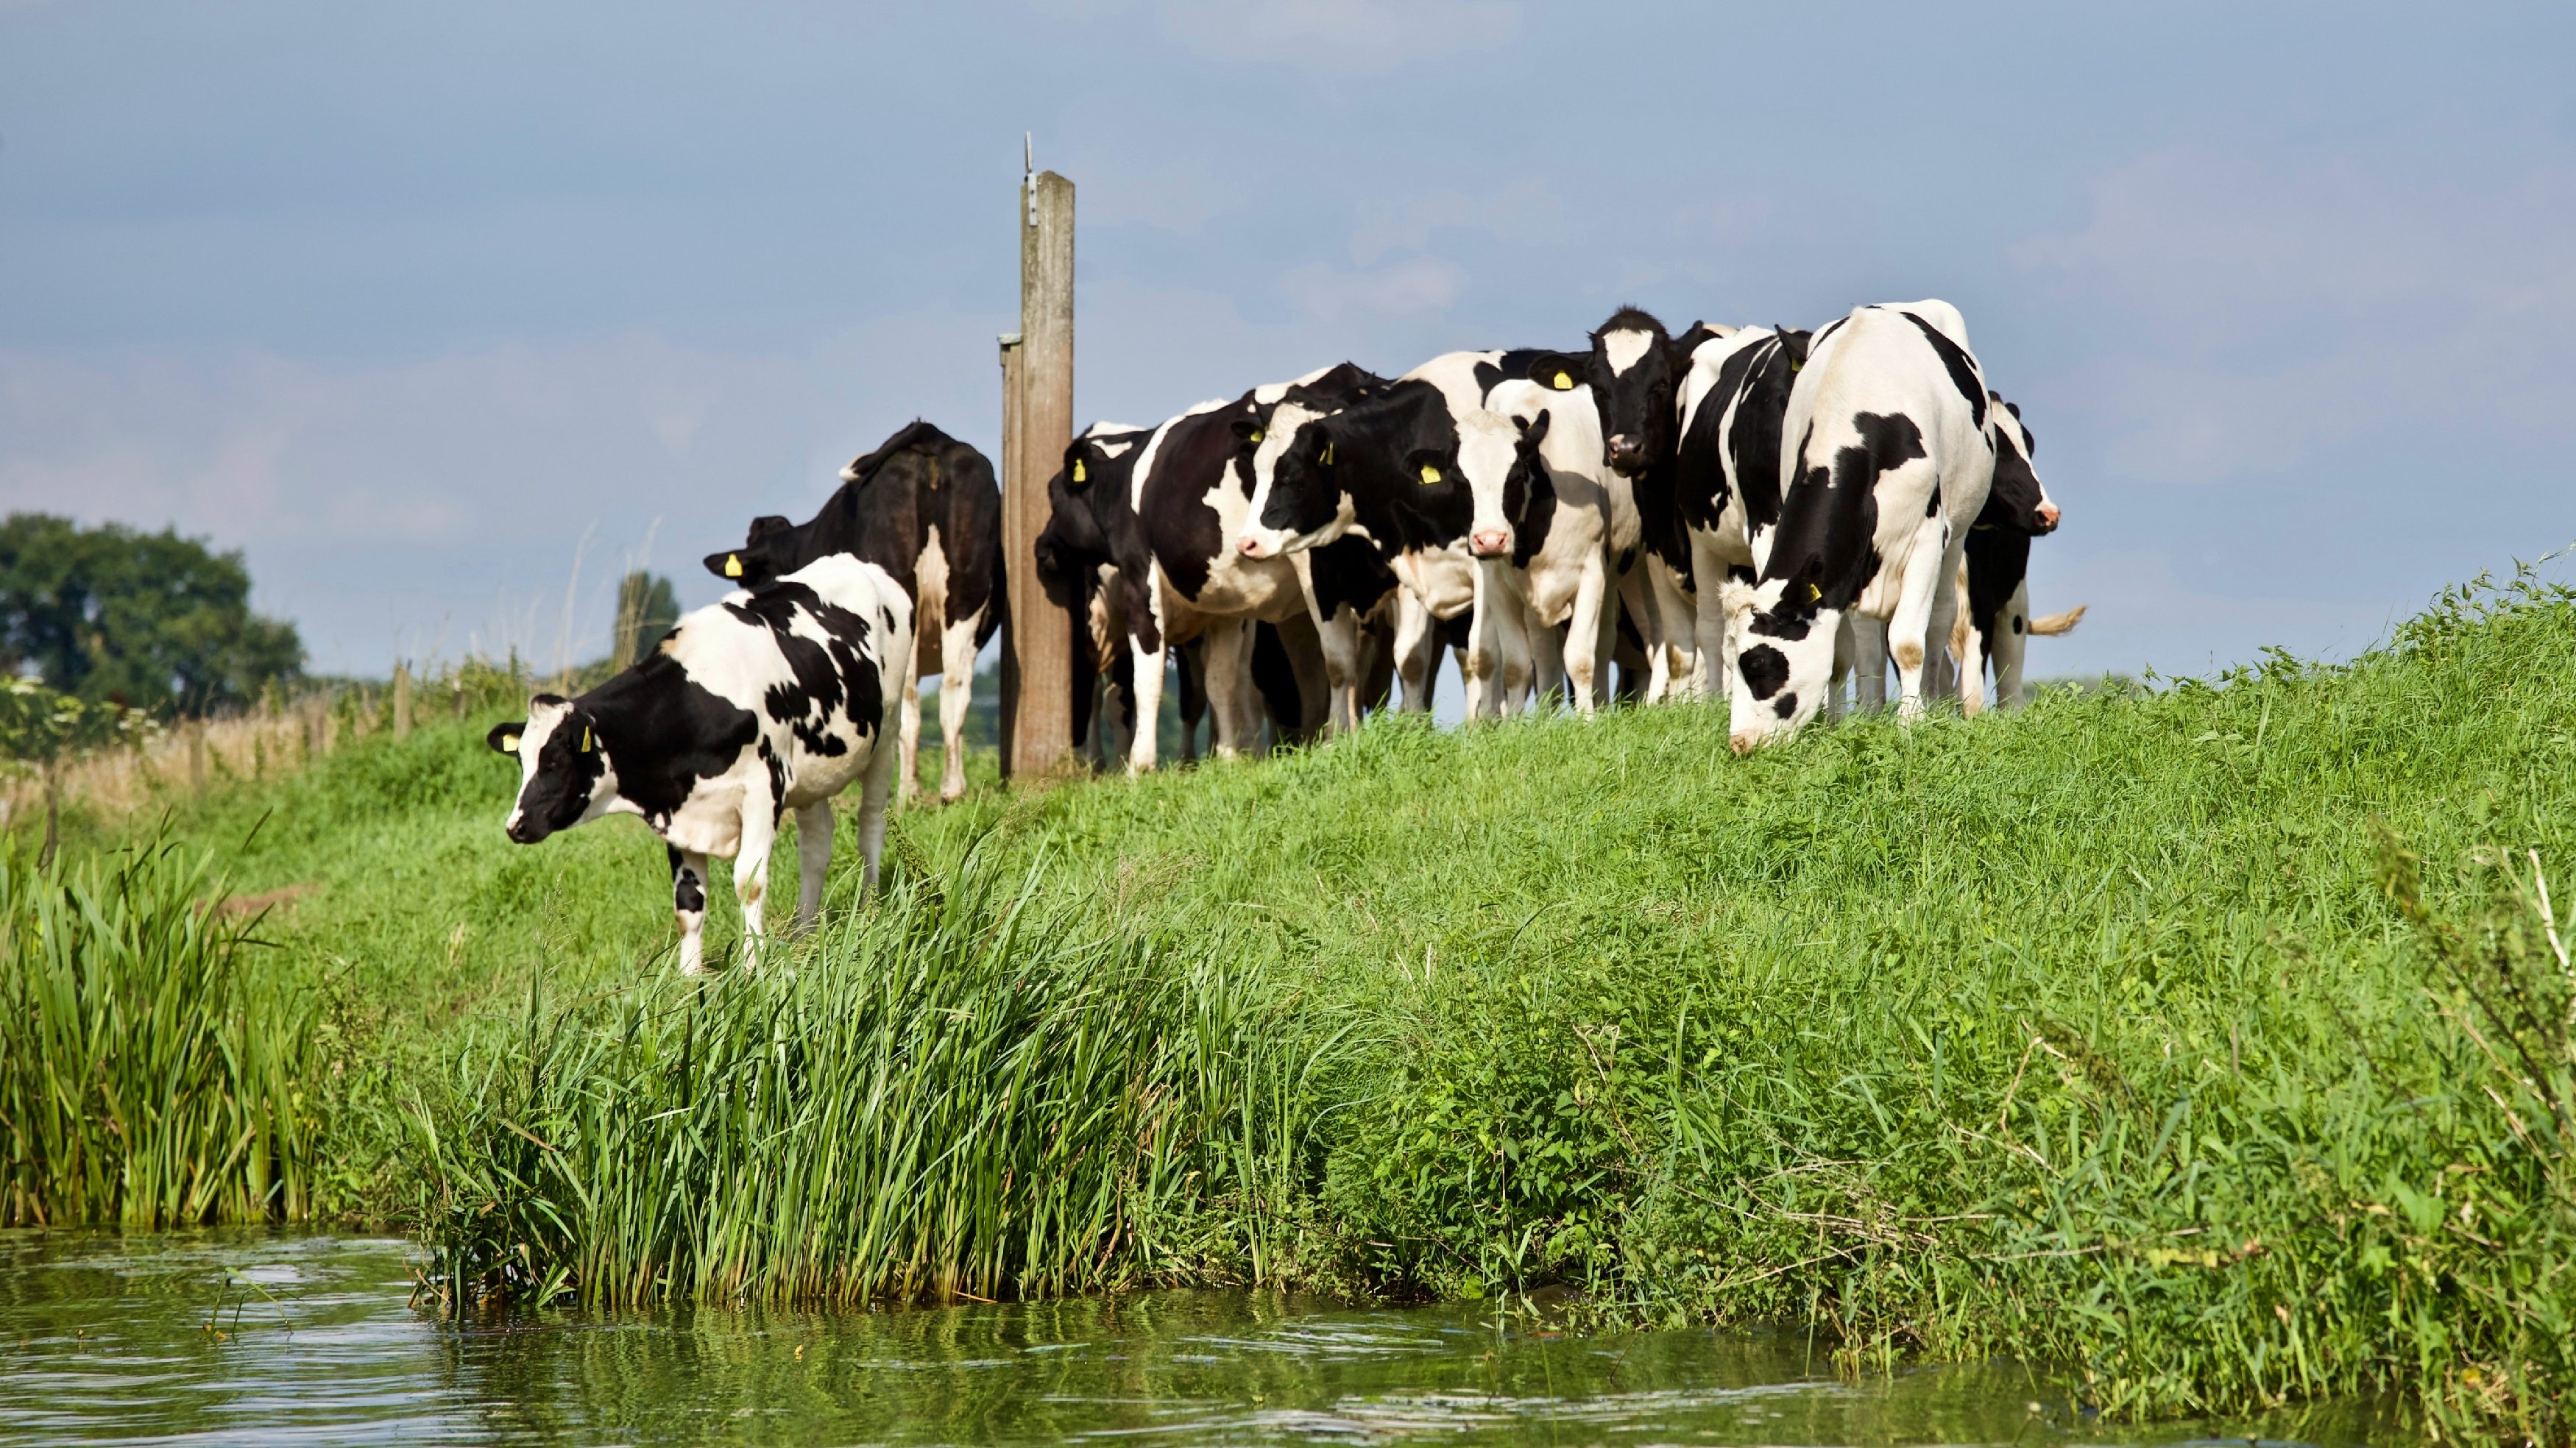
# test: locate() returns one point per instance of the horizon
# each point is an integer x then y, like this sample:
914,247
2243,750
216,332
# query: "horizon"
415,311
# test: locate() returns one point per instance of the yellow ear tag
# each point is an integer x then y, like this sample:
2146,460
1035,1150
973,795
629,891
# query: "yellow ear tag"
1564,383
1079,475
1256,434
733,565
1430,475
1328,455
1814,593
586,745
509,744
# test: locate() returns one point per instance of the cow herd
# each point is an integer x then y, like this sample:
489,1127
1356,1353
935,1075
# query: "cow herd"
1746,513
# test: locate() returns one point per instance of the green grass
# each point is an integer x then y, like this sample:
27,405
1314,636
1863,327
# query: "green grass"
2210,1040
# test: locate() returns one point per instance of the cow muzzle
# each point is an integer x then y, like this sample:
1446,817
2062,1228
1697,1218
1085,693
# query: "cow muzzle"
1744,742
1490,543
2048,517
1624,451
1253,545
524,830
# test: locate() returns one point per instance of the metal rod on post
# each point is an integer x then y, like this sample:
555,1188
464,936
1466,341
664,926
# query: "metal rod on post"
1037,424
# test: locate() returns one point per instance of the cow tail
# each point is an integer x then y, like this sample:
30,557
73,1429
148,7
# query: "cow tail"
2053,624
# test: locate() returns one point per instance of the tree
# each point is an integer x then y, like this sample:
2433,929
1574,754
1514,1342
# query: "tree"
39,728
646,609
152,621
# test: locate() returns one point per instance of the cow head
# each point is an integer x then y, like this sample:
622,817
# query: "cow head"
2018,500
1297,500
565,777
1073,539
1508,482
1784,660
1634,371
762,556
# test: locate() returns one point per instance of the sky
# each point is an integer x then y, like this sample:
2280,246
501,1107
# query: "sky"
443,315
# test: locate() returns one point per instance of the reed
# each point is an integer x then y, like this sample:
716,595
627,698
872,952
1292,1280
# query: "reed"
949,1095
148,1076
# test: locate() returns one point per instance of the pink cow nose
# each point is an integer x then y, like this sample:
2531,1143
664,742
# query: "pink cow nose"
1249,547
1491,543
2048,514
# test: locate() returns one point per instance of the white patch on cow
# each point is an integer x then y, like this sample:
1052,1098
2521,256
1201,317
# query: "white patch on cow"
1116,447
1625,348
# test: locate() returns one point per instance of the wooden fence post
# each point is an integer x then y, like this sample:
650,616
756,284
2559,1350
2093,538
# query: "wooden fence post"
402,701
1037,424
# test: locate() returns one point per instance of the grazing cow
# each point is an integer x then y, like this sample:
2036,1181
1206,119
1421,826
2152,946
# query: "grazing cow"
1726,463
1635,372
773,699
1384,466
1893,458
924,507
1164,510
1994,620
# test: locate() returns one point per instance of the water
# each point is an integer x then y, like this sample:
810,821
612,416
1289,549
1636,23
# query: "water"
287,1338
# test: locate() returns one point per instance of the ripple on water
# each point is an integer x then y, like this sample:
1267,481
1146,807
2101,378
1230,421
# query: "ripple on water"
262,1337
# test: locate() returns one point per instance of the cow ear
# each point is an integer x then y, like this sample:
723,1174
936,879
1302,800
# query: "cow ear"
1557,371
504,738
748,565
1795,344
1247,430
764,525
1533,431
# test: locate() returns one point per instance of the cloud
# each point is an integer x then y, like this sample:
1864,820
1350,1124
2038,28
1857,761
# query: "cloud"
1332,37
2259,315
374,501
1525,211
1422,286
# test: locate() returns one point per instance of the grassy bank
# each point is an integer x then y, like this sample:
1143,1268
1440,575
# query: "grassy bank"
2212,1040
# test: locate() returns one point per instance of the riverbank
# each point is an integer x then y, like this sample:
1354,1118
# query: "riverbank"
2210,1040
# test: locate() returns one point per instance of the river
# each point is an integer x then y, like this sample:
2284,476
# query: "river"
265,1337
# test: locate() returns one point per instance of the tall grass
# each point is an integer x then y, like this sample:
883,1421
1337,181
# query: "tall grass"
147,1075
950,1095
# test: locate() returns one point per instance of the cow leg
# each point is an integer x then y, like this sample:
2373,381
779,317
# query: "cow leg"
1228,646
1483,664
1516,648
814,856
1149,706
874,786
1637,594
1869,662
751,871
1417,651
956,694
1919,597
1678,607
1709,676
2011,638
689,903
911,725
1190,676
1584,653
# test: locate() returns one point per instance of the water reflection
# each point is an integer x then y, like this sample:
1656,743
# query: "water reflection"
260,1338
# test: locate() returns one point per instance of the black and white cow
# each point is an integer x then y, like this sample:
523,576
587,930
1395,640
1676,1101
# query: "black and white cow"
1994,623
1893,456
1385,466
1635,371
1165,512
1726,468
924,507
772,700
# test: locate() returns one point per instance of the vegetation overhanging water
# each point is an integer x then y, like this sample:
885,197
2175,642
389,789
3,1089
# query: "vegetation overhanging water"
2214,1042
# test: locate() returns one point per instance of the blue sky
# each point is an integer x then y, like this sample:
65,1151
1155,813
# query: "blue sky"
417,304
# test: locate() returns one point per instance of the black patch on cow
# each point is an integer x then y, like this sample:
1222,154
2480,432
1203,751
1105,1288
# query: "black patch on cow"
1961,366
1274,674
2014,500
688,895
1347,573
1785,705
1825,549
2018,623
883,513
1380,446
1765,670
665,731
832,676
1757,379
1789,625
